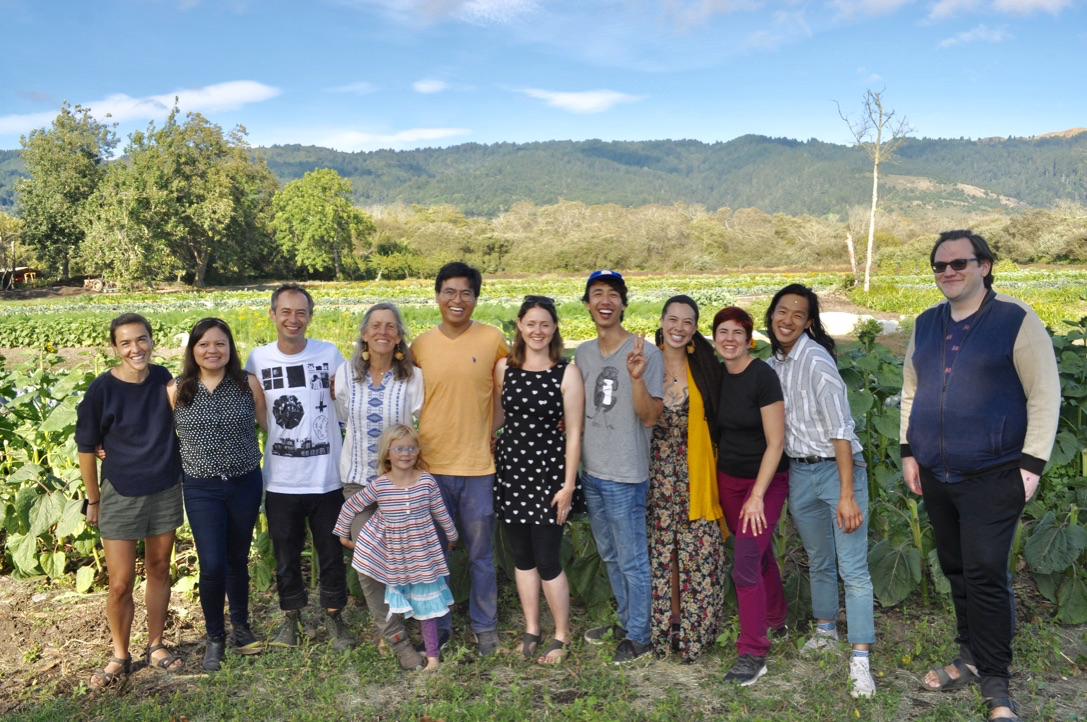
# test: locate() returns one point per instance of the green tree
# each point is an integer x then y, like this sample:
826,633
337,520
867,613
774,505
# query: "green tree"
65,163
11,230
316,224
190,199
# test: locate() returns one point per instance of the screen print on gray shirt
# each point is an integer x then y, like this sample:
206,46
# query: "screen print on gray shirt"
615,444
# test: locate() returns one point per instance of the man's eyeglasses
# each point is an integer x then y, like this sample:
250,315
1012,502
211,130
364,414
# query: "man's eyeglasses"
958,264
542,300
452,293
404,449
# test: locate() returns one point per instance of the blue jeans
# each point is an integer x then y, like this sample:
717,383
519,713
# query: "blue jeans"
813,502
222,514
470,501
617,518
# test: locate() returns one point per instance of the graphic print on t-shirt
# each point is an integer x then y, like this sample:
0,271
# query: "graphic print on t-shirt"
604,395
288,410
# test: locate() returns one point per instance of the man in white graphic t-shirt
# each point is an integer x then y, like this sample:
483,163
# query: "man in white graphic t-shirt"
301,462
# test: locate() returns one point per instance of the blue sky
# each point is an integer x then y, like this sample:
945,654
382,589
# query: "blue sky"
367,74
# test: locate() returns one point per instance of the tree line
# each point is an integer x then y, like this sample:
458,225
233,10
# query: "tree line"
189,202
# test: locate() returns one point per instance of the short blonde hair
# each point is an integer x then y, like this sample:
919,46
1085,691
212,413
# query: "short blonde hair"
388,436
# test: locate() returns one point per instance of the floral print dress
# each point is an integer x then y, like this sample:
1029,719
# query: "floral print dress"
696,545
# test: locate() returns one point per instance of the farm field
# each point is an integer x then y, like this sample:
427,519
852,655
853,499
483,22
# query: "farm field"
52,624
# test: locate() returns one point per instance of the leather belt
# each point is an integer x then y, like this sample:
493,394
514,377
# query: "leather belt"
811,459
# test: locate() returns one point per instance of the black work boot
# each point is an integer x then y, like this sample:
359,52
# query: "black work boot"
245,642
287,636
213,657
338,632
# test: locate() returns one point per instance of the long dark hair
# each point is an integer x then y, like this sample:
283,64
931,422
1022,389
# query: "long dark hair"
190,372
815,330
702,360
554,350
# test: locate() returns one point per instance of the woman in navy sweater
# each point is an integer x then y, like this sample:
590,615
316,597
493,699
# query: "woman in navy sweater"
126,413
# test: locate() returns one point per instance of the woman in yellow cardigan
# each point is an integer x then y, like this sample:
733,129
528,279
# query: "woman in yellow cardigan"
686,551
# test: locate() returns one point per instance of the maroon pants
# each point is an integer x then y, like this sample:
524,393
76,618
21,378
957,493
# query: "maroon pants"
755,572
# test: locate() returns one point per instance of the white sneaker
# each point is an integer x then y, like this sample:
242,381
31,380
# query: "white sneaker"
821,640
860,678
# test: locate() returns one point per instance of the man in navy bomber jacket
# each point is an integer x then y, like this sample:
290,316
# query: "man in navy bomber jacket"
980,401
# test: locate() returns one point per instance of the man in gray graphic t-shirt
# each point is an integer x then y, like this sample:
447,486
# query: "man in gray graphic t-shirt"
623,399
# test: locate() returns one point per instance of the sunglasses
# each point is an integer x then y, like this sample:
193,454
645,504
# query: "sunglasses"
958,264
543,300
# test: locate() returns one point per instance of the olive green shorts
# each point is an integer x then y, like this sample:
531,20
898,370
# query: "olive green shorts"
130,518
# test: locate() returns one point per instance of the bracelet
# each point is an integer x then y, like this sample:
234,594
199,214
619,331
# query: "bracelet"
92,503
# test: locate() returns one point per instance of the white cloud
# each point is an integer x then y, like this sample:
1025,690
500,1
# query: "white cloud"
869,78
584,102
856,8
360,87
475,12
124,108
944,9
981,33
786,27
429,86
1026,7
350,140
690,14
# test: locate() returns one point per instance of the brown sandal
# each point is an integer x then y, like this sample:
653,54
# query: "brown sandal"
109,678
166,664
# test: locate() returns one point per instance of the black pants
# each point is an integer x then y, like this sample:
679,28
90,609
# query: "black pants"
287,517
536,546
974,523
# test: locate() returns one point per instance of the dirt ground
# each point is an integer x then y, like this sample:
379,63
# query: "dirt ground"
52,638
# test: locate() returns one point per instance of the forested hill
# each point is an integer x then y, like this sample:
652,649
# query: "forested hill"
772,174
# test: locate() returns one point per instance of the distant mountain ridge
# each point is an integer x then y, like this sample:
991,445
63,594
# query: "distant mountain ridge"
772,174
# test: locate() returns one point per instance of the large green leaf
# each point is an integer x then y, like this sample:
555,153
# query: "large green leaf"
23,549
62,416
72,522
84,579
798,597
887,424
861,401
459,574
1053,547
1065,448
939,581
53,564
1048,584
896,571
261,576
1073,600
26,472
45,512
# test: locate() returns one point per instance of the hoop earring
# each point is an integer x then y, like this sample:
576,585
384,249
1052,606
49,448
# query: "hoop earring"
365,354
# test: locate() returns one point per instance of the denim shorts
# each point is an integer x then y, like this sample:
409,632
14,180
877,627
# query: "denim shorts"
130,518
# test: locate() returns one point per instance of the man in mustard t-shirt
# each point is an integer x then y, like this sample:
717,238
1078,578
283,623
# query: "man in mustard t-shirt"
458,357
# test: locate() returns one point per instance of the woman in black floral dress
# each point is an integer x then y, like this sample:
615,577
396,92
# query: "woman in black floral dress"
537,466
686,551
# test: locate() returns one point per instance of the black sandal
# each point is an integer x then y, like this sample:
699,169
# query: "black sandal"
948,683
555,645
109,678
529,644
166,663
995,702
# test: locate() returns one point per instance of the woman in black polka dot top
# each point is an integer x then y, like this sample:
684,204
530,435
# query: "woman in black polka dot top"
537,466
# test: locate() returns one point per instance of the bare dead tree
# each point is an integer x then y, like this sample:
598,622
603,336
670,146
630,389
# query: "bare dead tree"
880,134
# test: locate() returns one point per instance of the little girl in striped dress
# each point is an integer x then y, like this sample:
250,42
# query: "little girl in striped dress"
399,545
